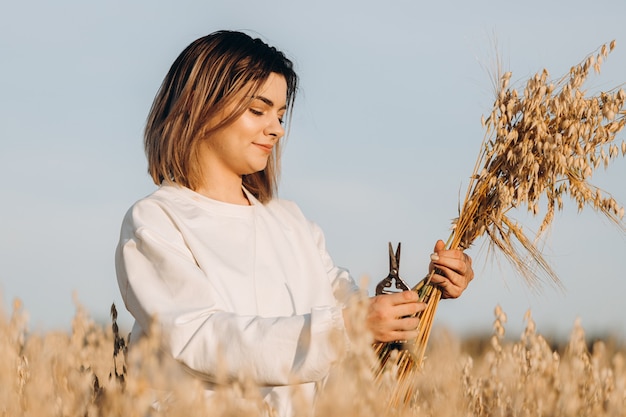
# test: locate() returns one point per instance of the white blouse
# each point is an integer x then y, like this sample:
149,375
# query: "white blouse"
249,287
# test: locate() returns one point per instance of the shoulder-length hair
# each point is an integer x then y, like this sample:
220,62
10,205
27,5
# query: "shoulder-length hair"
208,77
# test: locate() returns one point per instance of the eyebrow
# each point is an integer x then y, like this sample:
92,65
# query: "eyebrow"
268,101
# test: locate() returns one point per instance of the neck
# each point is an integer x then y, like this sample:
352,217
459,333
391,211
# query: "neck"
220,181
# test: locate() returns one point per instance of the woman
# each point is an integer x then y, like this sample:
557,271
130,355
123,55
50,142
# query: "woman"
236,277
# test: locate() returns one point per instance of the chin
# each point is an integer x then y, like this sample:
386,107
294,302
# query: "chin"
257,168
254,171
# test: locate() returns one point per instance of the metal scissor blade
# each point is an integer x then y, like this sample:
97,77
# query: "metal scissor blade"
392,283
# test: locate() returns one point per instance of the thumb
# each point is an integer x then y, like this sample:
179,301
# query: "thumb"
439,246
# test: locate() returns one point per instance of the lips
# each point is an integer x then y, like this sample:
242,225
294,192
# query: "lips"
266,148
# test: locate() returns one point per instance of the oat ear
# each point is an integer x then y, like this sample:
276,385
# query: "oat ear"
541,143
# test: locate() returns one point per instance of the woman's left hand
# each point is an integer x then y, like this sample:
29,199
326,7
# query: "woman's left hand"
453,270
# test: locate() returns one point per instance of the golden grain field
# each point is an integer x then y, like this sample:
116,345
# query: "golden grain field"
89,372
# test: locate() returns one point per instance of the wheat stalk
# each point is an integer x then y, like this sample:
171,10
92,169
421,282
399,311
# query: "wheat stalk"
540,145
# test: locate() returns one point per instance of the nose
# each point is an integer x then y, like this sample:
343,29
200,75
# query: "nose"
275,129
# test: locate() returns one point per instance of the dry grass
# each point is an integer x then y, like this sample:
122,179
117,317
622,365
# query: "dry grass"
74,374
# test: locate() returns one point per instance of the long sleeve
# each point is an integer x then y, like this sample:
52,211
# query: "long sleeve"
342,282
225,305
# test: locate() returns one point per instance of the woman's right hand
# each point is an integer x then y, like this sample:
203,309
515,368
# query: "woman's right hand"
389,316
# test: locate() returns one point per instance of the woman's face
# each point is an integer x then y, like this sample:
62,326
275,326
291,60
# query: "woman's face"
244,146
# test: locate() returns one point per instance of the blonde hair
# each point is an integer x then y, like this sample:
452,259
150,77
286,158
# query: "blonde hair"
207,78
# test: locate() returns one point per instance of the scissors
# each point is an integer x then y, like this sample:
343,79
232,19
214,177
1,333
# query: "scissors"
392,283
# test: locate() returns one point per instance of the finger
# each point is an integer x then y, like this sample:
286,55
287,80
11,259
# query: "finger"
440,249
407,296
439,275
439,246
408,309
398,298
451,284
452,257
400,324
407,324
453,260
449,290
443,274
458,270
386,307
398,334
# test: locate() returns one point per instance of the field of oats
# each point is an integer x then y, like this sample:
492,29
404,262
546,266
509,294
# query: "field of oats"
89,371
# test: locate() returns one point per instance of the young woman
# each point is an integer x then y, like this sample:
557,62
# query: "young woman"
235,277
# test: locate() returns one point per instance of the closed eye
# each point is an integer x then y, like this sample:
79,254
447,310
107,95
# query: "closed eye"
257,112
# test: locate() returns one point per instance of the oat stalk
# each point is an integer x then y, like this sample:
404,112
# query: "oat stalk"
540,145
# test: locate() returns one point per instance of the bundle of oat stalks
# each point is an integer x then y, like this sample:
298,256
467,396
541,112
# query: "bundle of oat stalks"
540,144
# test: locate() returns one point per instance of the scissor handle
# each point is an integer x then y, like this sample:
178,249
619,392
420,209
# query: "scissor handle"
392,283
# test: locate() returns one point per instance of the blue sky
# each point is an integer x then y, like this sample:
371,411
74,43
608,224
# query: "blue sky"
385,134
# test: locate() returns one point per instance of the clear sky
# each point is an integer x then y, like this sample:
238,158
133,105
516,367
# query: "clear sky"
385,134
